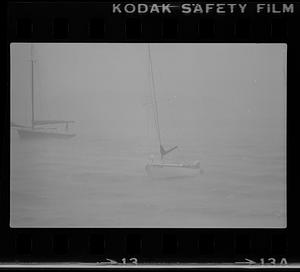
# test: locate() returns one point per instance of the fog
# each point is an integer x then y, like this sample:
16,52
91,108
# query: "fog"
207,90
212,99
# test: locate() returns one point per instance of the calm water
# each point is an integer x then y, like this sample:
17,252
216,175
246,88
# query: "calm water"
93,182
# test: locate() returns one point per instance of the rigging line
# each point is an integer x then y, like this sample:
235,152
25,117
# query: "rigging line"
154,97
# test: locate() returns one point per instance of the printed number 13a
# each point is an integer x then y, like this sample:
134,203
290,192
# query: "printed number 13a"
272,261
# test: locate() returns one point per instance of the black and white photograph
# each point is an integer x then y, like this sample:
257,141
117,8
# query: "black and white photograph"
148,135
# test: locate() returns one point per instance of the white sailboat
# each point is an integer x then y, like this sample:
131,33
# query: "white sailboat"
40,129
162,168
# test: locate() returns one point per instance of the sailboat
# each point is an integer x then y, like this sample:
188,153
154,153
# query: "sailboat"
40,129
162,168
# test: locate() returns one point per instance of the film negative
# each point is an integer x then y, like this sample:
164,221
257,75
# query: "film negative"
150,135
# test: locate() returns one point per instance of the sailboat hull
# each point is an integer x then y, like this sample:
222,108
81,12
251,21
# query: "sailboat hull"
167,171
38,134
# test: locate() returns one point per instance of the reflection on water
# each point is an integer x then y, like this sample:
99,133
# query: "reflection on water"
92,182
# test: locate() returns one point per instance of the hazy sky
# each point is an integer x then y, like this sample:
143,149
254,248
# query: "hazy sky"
204,91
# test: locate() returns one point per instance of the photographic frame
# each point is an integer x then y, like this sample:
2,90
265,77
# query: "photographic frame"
74,22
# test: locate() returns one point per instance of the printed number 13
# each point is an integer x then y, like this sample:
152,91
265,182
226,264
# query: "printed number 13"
132,260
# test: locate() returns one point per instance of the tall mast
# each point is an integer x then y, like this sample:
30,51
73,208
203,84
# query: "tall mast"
154,97
32,86
162,151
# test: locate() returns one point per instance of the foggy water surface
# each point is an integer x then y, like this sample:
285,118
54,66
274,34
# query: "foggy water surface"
97,183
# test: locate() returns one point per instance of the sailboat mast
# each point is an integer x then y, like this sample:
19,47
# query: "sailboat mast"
154,97
32,87
162,151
